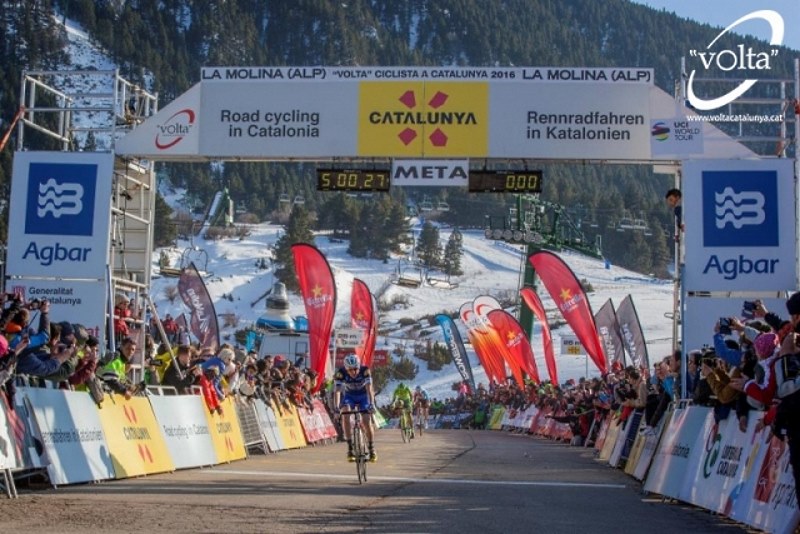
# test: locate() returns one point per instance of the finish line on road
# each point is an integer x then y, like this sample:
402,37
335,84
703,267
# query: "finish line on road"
429,480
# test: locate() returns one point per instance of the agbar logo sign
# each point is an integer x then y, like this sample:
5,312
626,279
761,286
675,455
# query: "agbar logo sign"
742,59
423,119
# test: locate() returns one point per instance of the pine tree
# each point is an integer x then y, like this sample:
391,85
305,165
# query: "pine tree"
451,262
428,249
164,230
297,230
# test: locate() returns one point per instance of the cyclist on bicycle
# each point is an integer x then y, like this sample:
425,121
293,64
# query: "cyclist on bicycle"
421,404
353,391
401,401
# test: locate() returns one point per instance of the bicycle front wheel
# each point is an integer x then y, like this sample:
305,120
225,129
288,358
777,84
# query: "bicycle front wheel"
361,454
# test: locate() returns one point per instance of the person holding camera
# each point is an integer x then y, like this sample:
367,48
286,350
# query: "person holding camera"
53,363
184,375
18,326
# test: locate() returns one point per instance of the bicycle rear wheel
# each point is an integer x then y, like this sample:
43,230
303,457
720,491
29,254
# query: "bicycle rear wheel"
420,424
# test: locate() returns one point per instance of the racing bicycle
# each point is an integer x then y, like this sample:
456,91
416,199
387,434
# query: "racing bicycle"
359,442
406,425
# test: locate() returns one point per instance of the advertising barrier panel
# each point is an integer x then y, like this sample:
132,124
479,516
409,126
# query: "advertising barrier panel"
71,435
135,442
185,428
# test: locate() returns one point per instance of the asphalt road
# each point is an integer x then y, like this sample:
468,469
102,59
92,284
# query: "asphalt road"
447,481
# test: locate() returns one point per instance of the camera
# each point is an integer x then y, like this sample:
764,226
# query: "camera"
749,309
725,326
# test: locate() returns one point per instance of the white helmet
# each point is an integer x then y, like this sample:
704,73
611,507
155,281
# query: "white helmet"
351,362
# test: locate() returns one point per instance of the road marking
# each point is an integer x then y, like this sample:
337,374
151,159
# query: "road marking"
418,480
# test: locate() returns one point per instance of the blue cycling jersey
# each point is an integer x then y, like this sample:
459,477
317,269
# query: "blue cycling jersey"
357,384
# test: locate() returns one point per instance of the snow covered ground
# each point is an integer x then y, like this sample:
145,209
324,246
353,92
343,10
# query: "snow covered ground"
490,267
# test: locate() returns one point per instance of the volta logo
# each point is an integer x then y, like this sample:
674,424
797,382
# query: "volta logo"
174,129
61,199
660,131
742,60
740,208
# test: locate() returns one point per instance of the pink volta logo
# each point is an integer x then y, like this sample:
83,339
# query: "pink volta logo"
174,129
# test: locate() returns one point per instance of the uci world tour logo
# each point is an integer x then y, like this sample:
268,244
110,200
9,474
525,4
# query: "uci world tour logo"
660,131
745,61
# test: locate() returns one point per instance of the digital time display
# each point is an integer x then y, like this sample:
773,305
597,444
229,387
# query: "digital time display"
505,182
352,180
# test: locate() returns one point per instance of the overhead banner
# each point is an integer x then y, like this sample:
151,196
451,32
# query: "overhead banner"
740,225
60,213
405,112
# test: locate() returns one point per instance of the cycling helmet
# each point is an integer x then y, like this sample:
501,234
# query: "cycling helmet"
418,388
351,362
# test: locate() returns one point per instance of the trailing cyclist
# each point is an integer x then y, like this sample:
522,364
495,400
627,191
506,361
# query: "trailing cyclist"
421,404
353,391
401,401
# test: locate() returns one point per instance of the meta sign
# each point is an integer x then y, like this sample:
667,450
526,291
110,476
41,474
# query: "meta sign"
59,215
740,229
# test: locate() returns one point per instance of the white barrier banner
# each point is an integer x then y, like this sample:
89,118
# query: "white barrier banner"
183,422
717,477
9,448
676,453
269,424
71,433
766,497
528,415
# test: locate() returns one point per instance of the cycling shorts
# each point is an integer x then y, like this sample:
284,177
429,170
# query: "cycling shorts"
355,401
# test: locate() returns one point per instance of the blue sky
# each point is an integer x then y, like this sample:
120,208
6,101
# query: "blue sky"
723,12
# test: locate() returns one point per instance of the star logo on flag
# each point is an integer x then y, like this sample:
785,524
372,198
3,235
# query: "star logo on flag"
566,294
510,336
359,316
317,291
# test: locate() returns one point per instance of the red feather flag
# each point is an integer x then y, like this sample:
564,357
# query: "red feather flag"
566,291
533,302
483,305
516,343
319,296
493,371
362,316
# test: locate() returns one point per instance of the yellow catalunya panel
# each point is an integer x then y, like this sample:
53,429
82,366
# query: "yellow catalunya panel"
226,433
431,119
289,427
134,438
